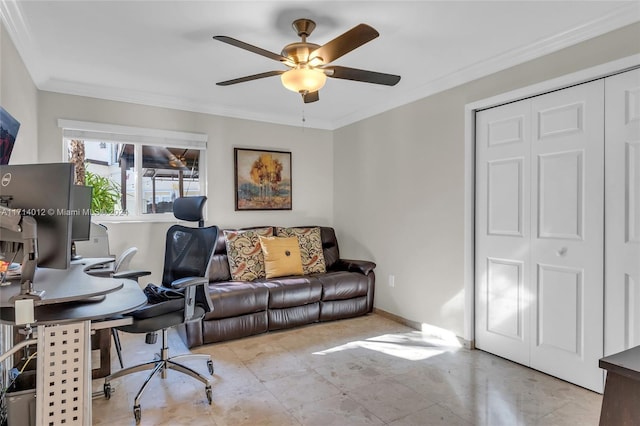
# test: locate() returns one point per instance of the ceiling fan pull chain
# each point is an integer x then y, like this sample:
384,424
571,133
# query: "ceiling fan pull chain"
304,120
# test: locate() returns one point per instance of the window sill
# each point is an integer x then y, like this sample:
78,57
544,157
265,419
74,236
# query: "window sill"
147,218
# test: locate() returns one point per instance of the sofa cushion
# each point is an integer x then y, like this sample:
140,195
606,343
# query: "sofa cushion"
281,256
338,309
293,316
342,285
219,265
219,268
246,262
329,246
293,291
233,298
219,330
310,247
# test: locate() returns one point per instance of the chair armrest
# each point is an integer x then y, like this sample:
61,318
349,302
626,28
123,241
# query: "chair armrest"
100,265
134,275
104,268
189,285
350,265
188,282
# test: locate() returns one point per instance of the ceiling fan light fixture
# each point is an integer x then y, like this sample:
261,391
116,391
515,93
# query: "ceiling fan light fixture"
309,63
303,80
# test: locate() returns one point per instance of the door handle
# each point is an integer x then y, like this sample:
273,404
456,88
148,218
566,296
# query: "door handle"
562,251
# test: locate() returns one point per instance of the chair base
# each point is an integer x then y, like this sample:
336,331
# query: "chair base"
160,366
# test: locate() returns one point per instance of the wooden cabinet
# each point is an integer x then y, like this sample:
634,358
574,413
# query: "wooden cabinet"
622,390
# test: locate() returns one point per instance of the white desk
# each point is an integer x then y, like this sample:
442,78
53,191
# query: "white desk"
73,303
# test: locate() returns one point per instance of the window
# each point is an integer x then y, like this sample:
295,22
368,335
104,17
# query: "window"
136,173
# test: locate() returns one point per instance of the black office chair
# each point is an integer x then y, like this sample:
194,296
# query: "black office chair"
187,256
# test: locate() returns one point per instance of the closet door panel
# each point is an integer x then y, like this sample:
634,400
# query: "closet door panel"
632,191
622,203
504,197
567,203
560,195
502,231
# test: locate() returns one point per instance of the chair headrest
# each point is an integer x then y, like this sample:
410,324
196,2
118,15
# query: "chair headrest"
189,208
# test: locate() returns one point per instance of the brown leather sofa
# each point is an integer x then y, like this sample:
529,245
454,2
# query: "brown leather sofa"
238,308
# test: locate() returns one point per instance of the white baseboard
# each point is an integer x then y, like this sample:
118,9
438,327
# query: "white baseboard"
467,344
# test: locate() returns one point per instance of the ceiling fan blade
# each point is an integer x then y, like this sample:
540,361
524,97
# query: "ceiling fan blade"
251,48
249,78
362,75
345,43
311,97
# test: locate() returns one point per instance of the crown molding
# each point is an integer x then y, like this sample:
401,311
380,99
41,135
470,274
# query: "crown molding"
18,30
621,17
177,103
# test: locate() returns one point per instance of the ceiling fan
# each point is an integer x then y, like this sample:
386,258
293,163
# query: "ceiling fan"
309,63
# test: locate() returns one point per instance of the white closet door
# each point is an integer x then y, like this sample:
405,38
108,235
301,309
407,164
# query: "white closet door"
539,232
567,215
503,156
622,220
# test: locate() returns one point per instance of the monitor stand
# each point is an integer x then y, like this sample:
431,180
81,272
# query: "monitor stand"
74,255
27,292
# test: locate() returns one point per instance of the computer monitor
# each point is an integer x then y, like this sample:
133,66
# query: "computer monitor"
81,213
43,191
80,217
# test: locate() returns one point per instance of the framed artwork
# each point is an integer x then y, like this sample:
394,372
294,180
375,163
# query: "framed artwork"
9,127
262,179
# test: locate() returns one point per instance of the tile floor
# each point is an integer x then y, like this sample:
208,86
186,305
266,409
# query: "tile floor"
363,371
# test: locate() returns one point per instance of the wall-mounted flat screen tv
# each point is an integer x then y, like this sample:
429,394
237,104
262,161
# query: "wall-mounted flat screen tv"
9,127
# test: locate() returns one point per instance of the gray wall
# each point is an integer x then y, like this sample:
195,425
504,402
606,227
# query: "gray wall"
311,153
399,184
19,96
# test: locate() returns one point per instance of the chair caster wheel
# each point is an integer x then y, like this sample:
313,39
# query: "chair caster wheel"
209,394
137,413
107,390
210,366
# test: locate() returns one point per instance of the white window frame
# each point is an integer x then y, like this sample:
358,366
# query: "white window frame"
137,136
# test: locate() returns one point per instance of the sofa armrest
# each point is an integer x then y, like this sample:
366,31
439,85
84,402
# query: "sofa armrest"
350,265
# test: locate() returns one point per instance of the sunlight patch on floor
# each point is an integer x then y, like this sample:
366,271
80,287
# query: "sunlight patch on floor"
412,346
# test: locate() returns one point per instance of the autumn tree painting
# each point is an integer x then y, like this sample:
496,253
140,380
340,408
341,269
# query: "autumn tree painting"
263,180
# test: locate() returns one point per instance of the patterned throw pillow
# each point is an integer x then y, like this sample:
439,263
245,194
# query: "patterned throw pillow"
246,262
310,248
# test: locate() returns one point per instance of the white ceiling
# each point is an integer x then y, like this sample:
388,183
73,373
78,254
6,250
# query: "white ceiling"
162,52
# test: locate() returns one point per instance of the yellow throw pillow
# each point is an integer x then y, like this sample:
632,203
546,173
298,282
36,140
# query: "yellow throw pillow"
281,256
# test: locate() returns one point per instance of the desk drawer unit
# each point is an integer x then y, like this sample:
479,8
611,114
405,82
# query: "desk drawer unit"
63,391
